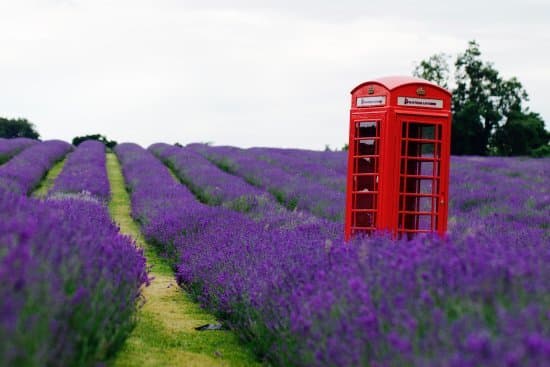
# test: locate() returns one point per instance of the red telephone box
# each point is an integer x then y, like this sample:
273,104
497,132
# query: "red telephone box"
399,157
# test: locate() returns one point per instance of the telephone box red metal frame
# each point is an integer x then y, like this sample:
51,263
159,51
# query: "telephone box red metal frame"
398,157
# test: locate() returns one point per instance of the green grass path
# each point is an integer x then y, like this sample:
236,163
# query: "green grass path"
165,334
46,184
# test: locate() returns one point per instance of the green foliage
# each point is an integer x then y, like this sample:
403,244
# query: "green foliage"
47,182
467,131
17,128
488,112
108,143
241,204
482,95
541,152
288,202
225,165
435,69
522,134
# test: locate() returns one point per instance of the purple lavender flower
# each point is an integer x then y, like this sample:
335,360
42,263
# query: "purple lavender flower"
11,147
216,187
23,172
69,285
84,172
290,189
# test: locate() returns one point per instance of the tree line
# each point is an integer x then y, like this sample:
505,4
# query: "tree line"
489,115
17,128
23,128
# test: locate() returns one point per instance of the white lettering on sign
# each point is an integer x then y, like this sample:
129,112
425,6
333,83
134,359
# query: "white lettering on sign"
371,101
420,102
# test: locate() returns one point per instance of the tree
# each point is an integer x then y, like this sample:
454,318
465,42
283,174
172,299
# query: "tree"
467,131
482,95
435,69
17,128
522,134
482,103
108,143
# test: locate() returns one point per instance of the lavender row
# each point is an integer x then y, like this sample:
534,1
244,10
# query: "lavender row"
206,181
306,298
300,163
331,160
290,190
161,205
70,282
513,187
10,147
84,172
23,172
216,187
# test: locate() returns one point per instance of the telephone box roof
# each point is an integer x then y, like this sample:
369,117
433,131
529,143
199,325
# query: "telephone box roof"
393,82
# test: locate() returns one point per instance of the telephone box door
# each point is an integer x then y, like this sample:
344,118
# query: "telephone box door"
423,180
364,184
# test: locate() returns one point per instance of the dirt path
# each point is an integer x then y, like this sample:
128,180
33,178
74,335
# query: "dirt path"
165,334
46,184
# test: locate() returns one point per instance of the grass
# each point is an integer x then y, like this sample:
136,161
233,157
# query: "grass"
46,184
165,332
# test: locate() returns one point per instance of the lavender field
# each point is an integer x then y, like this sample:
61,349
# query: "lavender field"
70,280
256,237
477,297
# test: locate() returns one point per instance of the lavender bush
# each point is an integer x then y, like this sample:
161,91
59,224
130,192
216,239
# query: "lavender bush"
84,172
70,282
211,185
22,173
11,147
293,191
330,159
300,163
162,206
216,187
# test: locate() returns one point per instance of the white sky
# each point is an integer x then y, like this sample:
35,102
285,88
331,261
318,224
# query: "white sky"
244,73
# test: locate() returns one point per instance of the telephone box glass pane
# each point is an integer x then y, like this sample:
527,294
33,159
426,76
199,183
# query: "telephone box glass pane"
366,183
421,149
425,204
427,150
425,222
427,186
364,220
423,131
367,147
367,129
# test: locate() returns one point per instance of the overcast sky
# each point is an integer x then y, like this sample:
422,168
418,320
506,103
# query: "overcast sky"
244,73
